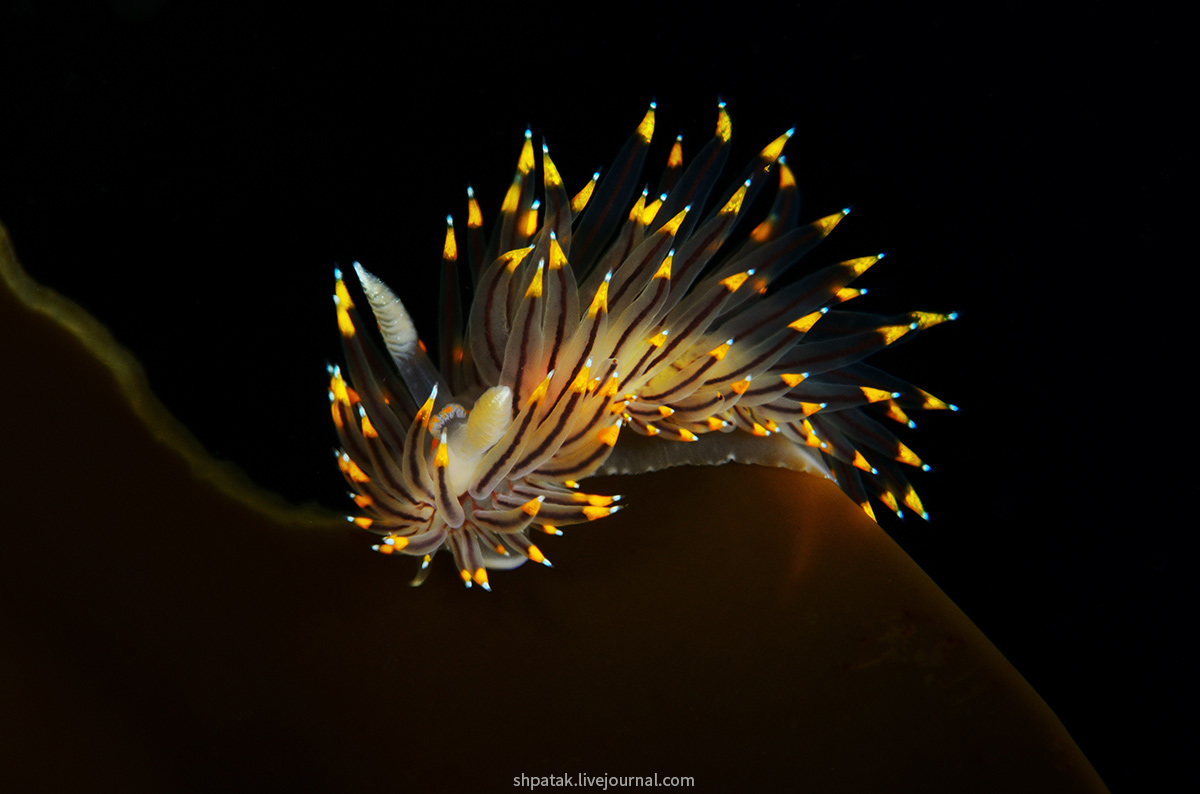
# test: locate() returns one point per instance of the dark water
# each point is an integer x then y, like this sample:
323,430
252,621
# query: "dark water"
190,174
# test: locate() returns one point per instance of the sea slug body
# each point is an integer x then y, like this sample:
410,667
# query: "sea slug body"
614,332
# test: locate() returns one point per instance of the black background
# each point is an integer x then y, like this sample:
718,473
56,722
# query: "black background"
189,172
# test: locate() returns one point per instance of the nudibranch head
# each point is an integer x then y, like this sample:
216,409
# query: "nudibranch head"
614,316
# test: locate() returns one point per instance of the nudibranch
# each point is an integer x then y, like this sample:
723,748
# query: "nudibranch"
614,332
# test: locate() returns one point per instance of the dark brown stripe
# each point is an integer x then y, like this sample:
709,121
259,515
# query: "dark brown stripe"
548,440
509,451
602,450
752,364
705,367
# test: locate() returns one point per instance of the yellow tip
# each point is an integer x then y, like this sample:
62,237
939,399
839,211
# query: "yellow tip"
646,128
600,302
906,455
929,319
891,333
650,211
806,322
675,158
896,413
474,214
368,429
512,259
763,231
345,324
594,499
344,305
775,148
912,500
932,403
724,125
734,204
424,412
875,395
338,387
550,175
672,226
786,178
525,161
639,207
664,270
535,286
608,436
529,222
343,296
450,248
352,470
558,257
539,393
827,224
511,198
581,198
736,280
862,263
581,380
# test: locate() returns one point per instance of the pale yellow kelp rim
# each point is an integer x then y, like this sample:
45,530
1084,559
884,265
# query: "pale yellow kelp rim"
130,379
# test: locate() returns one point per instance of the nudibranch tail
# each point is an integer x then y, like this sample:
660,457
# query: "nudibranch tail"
604,318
